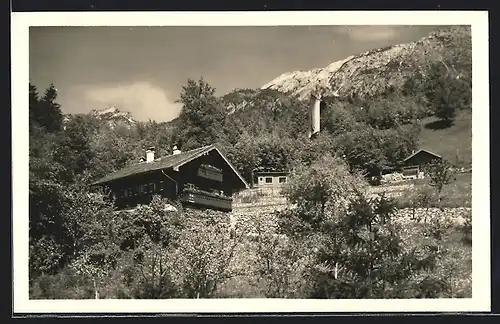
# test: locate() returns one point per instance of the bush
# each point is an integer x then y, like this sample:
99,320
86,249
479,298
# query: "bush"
201,262
280,264
66,284
420,197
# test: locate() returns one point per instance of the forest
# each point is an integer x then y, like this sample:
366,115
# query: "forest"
336,243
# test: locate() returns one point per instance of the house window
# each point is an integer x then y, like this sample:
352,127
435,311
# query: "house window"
140,188
269,180
161,186
151,187
282,179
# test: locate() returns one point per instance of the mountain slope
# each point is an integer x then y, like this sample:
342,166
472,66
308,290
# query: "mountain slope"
374,71
112,116
450,141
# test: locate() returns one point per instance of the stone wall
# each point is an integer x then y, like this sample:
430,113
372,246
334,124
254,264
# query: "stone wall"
246,221
259,206
258,195
393,191
454,215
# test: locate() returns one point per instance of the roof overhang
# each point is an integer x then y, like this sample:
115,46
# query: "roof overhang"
208,150
419,151
176,167
272,173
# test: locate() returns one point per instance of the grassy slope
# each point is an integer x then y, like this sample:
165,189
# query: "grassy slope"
445,142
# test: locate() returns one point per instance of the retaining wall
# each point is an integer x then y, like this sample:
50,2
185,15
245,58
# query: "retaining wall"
246,220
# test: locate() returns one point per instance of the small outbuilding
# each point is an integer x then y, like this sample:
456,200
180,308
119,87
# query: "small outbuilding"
412,165
264,179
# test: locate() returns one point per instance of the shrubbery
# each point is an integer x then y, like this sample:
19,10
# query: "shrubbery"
336,243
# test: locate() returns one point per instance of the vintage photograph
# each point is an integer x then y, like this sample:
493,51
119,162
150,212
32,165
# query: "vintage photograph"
230,162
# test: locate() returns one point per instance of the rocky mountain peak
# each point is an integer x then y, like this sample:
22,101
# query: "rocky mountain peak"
372,72
113,116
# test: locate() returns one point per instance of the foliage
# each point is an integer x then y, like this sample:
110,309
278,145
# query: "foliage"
147,270
65,284
321,189
201,262
335,243
45,111
373,150
448,91
467,229
245,155
440,174
264,111
201,117
337,117
363,150
371,254
111,152
420,197
360,251
280,264
74,152
266,151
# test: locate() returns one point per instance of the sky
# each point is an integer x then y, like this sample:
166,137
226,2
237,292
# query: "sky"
142,69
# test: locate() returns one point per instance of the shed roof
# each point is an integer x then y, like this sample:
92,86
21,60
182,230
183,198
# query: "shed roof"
167,162
271,173
421,151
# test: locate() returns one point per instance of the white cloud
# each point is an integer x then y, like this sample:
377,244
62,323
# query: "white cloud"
369,33
143,99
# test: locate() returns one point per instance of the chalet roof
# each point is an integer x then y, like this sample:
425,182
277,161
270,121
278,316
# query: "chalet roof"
265,169
167,162
271,172
420,151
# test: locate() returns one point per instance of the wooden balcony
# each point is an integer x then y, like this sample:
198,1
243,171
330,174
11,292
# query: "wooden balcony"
206,199
209,172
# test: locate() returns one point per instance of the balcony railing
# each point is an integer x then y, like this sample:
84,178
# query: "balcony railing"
206,199
210,172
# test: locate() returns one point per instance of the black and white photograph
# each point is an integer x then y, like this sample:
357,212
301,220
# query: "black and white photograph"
327,160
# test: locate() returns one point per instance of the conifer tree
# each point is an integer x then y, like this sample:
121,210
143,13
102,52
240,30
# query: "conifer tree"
48,112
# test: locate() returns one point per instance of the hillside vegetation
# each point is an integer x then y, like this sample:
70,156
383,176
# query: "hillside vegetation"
377,108
449,141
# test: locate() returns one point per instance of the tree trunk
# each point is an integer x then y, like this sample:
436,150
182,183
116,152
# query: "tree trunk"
451,285
96,291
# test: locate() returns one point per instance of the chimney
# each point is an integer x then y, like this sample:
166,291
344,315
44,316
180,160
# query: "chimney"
150,155
315,115
175,150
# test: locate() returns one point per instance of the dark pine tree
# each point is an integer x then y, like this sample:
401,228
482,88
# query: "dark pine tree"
34,105
48,113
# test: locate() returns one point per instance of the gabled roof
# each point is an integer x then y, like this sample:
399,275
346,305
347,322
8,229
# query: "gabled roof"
265,169
271,172
419,151
167,162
